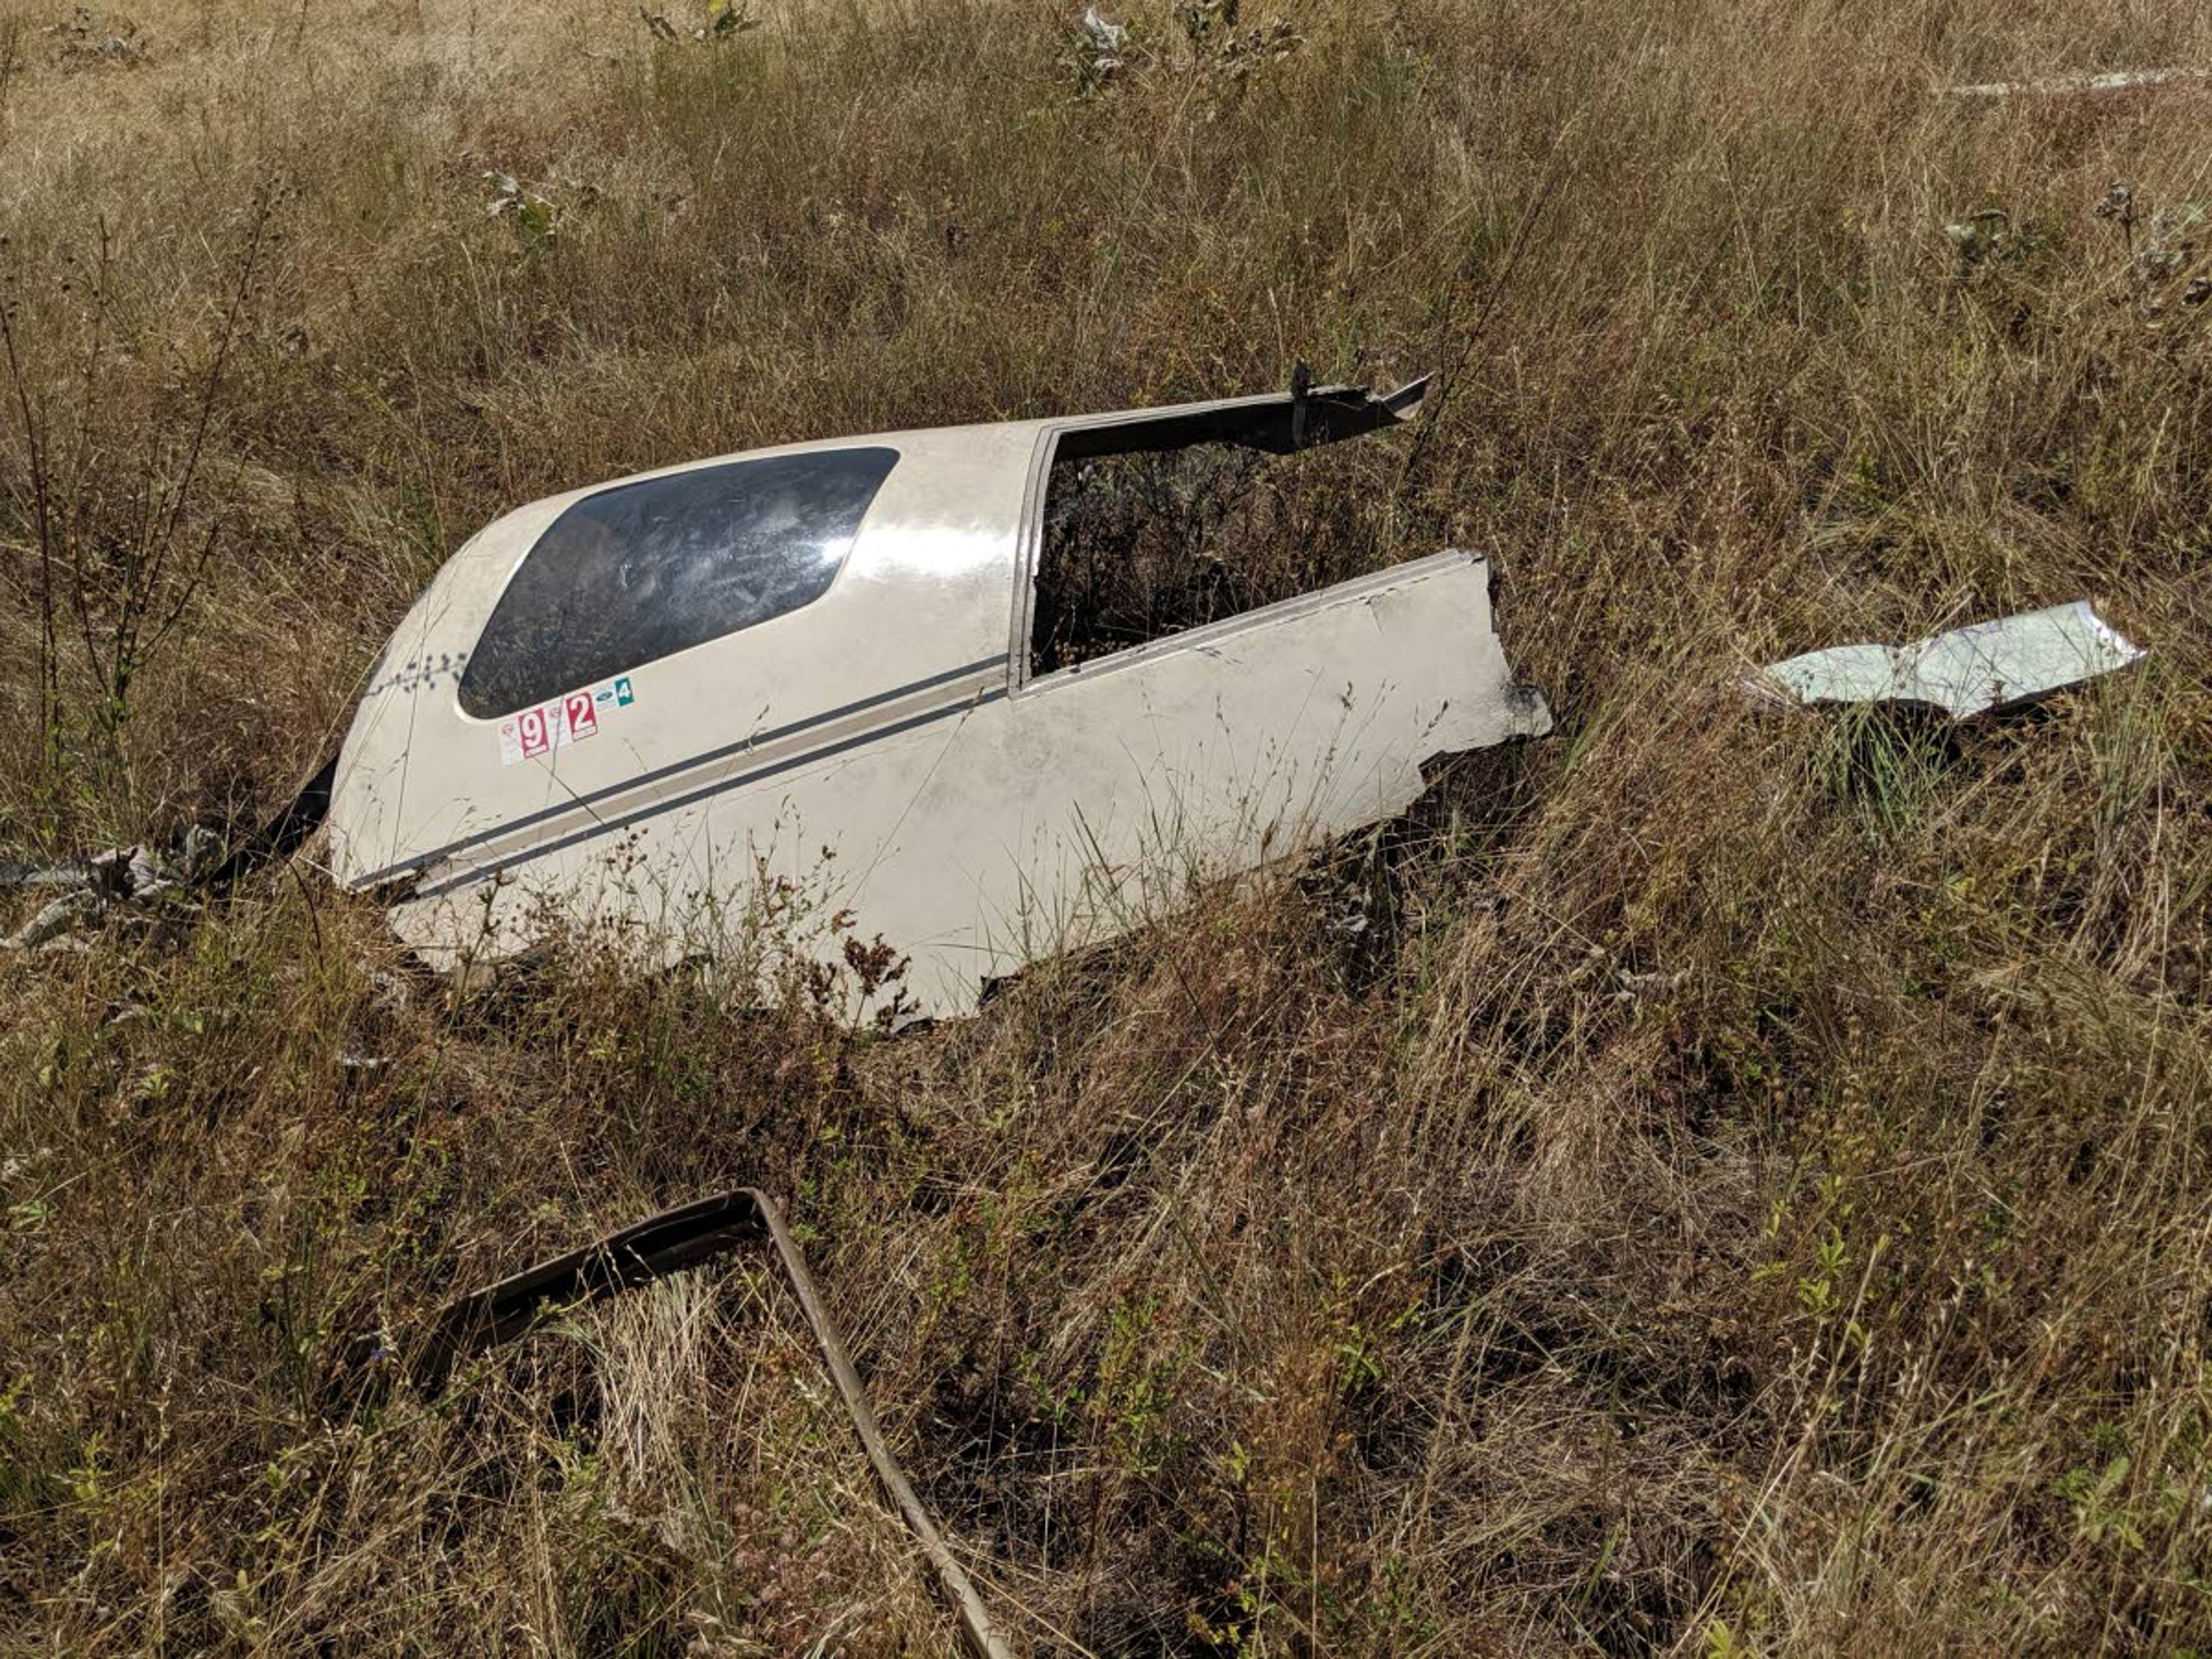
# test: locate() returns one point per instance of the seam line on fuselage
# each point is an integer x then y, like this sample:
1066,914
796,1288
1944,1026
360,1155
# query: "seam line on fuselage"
829,751
578,803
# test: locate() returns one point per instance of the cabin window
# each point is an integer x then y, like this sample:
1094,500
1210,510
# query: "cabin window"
631,574
1138,545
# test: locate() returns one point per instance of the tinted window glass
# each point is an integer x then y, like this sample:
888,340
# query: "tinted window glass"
636,573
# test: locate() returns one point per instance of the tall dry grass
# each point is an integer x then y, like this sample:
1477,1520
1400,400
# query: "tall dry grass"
1703,1184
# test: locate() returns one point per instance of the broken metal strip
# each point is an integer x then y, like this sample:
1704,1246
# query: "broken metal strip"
1277,423
668,1242
660,1244
14,874
2060,86
975,1617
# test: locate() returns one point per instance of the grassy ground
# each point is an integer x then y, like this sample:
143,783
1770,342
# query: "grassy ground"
1747,1191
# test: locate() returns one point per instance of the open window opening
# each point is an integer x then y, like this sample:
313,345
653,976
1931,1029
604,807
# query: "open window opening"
1156,524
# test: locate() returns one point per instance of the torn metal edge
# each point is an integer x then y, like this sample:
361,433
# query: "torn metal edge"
1279,424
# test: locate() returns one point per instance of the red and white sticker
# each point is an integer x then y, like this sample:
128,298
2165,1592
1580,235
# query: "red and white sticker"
529,732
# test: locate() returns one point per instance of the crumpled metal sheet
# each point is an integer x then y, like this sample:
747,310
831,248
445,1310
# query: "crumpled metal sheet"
1966,671
1105,35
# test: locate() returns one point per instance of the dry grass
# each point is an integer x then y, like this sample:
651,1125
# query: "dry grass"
1747,1189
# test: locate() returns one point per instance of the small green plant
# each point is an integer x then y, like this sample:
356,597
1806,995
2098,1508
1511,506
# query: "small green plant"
1819,1292
1227,57
535,219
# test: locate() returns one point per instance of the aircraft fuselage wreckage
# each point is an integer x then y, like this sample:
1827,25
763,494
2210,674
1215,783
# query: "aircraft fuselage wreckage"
633,705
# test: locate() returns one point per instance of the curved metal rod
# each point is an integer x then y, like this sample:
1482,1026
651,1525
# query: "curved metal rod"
665,1243
973,1618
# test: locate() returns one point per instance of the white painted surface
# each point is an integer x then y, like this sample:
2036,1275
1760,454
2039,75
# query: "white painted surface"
923,590
1966,671
976,821
2061,86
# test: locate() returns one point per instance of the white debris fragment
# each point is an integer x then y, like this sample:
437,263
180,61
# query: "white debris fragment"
1635,986
120,875
983,796
1096,55
1966,671
2067,85
201,853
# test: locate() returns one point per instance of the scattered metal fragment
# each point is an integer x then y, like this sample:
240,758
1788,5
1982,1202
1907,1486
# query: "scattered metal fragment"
127,872
120,872
668,1242
652,1248
390,992
728,18
1105,35
86,42
1983,238
139,875
1096,53
1966,671
121,875
2061,86
1635,986
2176,231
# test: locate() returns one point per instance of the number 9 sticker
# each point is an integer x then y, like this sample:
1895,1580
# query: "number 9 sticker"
536,737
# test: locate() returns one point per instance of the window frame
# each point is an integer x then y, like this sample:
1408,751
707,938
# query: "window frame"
1273,423
1021,683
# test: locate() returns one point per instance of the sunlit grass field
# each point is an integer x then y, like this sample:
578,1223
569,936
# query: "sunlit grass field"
1743,1185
